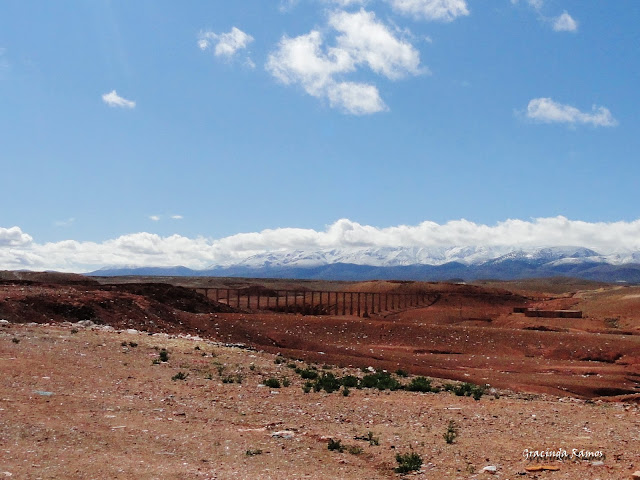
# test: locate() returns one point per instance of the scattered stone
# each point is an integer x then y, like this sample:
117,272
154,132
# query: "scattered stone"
492,469
132,331
598,463
4,322
43,393
636,475
85,323
287,434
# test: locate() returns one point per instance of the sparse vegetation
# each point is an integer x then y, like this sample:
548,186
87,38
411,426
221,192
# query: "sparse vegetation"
180,376
408,462
402,373
74,331
252,453
335,445
451,433
381,381
272,382
163,355
345,391
15,340
419,384
373,441
354,449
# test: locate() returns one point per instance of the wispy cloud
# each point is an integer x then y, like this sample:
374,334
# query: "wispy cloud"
545,110
361,41
18,250
438,10
114,100
564,23
64,223
225,44
155,218
561,23
176,217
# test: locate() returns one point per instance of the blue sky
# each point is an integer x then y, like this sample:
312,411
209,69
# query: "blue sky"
210,119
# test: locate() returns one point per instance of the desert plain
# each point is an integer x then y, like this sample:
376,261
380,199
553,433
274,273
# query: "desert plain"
147,378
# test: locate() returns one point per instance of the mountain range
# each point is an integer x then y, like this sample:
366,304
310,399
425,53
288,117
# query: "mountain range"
415,263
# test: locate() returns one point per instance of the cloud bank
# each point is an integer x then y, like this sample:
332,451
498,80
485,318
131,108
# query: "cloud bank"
18,250
545,110
114,100
438,10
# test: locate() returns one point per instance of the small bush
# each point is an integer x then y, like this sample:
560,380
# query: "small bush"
373,441
292,365
349,381
286,382
306,388
15,340
328,382
408,462
381,381
252,367
272,382
419,384
402,373
345,391
251,453
124,344
163,355
180,376
327,367
133,344
308,374
278,361
74,331
354,449
335,445
451,433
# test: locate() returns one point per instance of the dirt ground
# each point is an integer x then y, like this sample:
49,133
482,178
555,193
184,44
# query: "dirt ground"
83,393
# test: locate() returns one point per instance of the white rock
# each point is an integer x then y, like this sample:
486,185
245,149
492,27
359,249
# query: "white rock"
132,331
492,469
598,463
85,323
4,322
636,475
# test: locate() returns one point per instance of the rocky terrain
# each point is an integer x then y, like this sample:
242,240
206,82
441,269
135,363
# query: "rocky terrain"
156,381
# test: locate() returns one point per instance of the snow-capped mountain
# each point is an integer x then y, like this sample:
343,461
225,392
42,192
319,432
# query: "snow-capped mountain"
419,263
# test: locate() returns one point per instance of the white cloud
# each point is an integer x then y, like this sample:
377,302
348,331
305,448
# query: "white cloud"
565,23
177,217
18,250
13,237
226,44
440,10
547,111
155,218
361,41
370,42
114,100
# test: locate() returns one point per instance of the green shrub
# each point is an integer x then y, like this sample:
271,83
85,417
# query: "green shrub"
163,355
180,376
308,374
402,373
419,384
327,382
278,361
286,382
272,382
251,453
15,340
349,381
408,462
345,391
381,381
451,433
306,388
335,445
